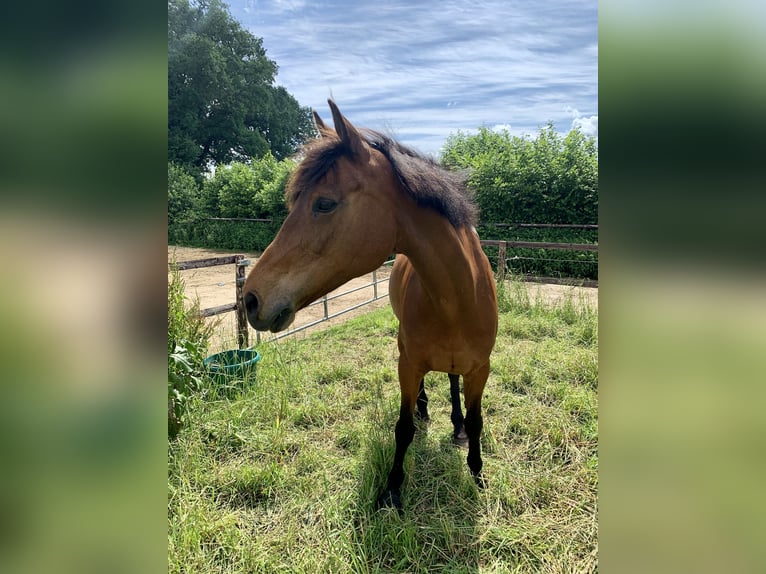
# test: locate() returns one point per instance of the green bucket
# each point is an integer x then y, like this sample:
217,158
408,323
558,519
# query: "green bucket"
233,366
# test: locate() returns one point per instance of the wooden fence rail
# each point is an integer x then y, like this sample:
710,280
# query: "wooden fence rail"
542,245
544,225
503,247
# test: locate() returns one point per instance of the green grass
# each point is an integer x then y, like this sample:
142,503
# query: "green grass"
283,476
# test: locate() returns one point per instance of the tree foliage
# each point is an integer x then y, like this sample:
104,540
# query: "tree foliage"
223,105
548,179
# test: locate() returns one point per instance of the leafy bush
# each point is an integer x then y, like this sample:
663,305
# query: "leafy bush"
188,343
272,178
254,190
183,194
240,190
232,235
230,192
548,179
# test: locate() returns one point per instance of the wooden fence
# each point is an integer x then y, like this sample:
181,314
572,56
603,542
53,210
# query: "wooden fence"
502,249
240,263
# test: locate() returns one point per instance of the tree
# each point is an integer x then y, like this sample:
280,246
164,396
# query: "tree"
223,105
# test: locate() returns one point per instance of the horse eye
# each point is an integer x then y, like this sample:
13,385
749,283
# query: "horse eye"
324,205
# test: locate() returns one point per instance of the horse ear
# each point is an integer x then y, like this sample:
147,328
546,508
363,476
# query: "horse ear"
322,128
348,134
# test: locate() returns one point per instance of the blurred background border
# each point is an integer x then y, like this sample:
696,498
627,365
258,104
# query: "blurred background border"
83,126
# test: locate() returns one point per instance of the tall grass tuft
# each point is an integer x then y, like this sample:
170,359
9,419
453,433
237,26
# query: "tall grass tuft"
188,343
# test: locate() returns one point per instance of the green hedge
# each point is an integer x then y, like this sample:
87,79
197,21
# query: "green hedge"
242,235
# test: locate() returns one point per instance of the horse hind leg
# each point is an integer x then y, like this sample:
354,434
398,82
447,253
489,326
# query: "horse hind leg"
459,435
473,387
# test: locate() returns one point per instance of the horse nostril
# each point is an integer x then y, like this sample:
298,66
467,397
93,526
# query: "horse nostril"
251,305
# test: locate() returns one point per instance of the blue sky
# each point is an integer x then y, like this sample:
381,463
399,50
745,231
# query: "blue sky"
423,70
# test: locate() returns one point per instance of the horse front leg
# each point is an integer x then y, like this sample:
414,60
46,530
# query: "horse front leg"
404,432
473,388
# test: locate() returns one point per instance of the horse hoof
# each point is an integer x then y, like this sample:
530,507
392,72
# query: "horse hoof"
480,481
422,416
390,499
460,439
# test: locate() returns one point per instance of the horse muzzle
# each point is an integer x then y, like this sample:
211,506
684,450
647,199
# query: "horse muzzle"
275,320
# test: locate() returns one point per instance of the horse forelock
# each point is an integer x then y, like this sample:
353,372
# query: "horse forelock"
428,183
319,156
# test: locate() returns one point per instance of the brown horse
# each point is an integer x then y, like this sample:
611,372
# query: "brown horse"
356,197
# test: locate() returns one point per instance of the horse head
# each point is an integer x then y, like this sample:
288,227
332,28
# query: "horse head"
340,225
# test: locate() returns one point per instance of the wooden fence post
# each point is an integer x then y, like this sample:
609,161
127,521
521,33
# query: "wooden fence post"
242,334
501,261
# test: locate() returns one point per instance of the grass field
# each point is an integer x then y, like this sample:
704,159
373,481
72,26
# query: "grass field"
282,474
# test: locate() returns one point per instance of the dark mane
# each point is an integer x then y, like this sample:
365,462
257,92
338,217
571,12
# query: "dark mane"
429,184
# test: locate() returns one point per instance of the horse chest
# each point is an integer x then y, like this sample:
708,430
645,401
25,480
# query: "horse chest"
445,351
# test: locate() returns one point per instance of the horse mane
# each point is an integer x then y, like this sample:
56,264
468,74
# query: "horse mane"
428,183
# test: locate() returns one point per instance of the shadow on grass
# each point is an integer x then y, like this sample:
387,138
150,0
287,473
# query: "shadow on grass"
436,530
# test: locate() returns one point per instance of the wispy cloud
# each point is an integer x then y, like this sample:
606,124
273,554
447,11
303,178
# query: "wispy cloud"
423,70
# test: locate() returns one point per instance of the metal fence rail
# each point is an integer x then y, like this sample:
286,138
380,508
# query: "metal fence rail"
326,316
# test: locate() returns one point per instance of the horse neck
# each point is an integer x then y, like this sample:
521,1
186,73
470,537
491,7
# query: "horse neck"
443,256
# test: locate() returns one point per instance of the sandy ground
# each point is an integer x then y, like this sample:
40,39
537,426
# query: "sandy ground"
215,286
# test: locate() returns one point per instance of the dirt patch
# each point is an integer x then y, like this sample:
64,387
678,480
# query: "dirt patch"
554,294
215,286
